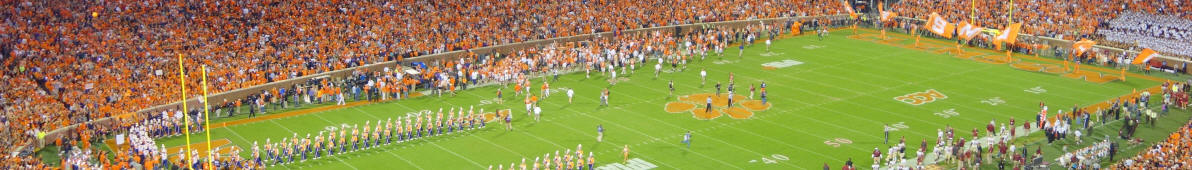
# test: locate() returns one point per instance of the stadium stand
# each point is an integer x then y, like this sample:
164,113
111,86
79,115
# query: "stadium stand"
1165,33
1062,19
1168,154
1073,20
68,63
73,62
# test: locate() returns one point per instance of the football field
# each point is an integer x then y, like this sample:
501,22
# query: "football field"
829,101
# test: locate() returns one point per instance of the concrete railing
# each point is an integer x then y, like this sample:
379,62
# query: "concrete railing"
504,48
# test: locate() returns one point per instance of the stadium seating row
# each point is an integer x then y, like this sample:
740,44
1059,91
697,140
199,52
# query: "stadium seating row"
71,62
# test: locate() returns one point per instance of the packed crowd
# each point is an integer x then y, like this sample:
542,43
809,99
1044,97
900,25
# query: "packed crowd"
136,149
1128,25
505,69
72,62
1068,20
1172,153
1166,33
1061,19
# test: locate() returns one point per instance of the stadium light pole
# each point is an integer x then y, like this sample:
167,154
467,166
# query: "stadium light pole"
206,117
185,115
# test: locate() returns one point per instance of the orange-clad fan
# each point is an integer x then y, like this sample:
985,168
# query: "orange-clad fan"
71,62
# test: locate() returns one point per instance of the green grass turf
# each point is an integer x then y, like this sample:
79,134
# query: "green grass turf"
843,90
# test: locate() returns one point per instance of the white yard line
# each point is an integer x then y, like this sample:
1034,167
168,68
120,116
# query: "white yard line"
724,124
655,138
647,135
498,146
860,94
897,70
871,94
325,120
793,146
810,105
986,89
490,142
456,154
715,139
931,161
945,101
865,93
821,106
282,126
366,113
845,99
292,131
404,159
1000,75
610,142
854,130
541,139
237,135
345,163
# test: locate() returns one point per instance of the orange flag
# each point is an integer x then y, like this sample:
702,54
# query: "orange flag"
1084,45
1009,35
939,26
967,31
885,15
1144,56
851,14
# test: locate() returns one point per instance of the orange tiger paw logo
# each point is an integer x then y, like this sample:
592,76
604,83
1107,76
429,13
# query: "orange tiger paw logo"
742,108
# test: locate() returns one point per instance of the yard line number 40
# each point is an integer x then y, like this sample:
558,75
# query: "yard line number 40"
772,159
